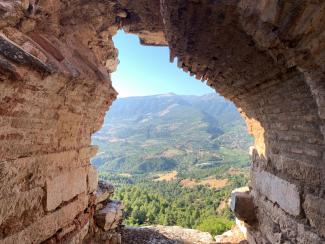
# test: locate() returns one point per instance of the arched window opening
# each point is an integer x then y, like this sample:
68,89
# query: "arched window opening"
173,147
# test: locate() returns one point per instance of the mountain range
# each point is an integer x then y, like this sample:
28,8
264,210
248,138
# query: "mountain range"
170,132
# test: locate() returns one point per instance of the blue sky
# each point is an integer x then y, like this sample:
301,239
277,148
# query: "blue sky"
145,70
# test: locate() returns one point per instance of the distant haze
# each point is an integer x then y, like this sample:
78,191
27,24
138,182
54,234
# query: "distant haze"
171,132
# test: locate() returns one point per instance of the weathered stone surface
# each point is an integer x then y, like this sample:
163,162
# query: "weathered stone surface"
47,46
232,236
64,187
243,206
7,66
265,56
45,227
23,207
78,236
110,216
104,191
66,230
277,217
11,12
306,236
164,234
12,51
113,236
278,191
39,167
314,208
92,179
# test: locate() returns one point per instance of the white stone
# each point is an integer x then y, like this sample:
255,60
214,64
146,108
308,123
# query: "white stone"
278,191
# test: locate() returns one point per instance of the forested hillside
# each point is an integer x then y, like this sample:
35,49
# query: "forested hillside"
170,132
174,159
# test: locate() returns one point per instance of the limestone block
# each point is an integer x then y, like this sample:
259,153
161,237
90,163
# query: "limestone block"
250,238
14,52
111,64
104,191
278,191
47,46
66,230
10,12
38,169
111,237
20,203
92,179
287,223
87,152
271,229
306,236
47,226
64,187
243,207
122,14
315,211
9,67
109,217
79,236
7,6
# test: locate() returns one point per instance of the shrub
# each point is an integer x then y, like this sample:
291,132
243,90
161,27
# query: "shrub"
215,225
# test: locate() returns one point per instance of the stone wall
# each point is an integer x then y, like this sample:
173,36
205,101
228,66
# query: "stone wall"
54,94
267,56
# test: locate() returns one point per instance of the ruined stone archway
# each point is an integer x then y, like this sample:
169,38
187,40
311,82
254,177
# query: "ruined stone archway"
56,56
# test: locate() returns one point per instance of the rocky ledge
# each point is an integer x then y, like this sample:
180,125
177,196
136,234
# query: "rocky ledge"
164,235
105,227
178,235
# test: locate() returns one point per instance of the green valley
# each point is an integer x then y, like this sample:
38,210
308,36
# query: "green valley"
174,159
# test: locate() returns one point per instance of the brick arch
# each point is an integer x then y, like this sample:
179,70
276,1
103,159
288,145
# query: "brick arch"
265,57
56,59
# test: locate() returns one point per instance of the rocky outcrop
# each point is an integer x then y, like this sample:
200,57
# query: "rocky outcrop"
235,235
165,235
110,216
105,226
267,56
104,191
242,205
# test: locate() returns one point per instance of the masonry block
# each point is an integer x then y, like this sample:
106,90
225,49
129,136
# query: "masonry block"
278,191
243,207
64,187
110,216
92,179
20,204
314,208
47,226
104,191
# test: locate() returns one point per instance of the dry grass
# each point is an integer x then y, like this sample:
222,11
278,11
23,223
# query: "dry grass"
125,175
210,182
167,176
223,205
171,153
